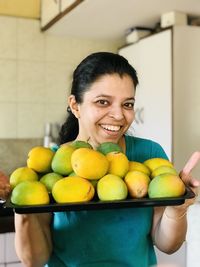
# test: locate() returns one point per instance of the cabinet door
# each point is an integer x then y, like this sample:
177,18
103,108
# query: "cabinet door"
152,58
49,10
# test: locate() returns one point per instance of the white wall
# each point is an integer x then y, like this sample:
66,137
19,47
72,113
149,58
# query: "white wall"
35,75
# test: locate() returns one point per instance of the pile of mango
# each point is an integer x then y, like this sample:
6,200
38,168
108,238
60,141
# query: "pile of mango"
76,173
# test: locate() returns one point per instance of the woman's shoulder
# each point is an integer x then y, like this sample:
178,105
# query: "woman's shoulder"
141,141
141,148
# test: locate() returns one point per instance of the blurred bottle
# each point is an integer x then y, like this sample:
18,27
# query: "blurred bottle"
47,135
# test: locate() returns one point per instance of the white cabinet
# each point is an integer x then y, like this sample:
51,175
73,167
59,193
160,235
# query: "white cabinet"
168,103
151,58
168,65
49,10
53,10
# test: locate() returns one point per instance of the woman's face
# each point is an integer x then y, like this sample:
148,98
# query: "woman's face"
107,109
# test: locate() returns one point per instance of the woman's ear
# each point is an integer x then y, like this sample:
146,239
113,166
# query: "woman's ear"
74,107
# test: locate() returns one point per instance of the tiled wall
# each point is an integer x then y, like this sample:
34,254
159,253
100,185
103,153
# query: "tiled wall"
35,75
35,80
14,152
8,255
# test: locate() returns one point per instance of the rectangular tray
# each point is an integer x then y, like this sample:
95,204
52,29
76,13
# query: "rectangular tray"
98,204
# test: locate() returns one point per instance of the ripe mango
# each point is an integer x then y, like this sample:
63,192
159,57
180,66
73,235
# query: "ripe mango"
40,158
154,163
163,169
72,189
79,144
118,163
50,179
166,185
30,193
111,187
61,162
137,183
89,163
138,166
108,147
22,174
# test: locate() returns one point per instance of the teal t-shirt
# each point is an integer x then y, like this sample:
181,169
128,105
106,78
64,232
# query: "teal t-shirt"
111,237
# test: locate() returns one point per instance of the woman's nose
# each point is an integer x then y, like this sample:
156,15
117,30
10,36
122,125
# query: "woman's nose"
116,113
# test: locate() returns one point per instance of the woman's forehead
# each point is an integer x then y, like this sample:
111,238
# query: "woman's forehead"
111,85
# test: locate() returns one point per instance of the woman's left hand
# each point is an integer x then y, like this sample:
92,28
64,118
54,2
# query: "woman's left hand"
188,179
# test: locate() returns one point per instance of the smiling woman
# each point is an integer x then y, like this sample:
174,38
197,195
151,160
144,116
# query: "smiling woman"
101,110
21,8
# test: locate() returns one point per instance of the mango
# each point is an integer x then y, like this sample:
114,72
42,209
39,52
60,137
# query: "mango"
154,163
22,174
30,193
40,158
118,163
166,185
50,179
137,183
72,189
108,147
111,187
162,170
138,166
61,162
89,163
79,144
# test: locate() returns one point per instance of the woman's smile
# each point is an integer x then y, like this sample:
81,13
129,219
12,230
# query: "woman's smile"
111,128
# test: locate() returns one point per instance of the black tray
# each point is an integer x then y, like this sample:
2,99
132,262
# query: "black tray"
96,204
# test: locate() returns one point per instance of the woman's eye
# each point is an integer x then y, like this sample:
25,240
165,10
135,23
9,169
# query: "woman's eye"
102,102
129,105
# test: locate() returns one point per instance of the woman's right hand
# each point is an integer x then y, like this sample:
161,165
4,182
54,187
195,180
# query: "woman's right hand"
4,186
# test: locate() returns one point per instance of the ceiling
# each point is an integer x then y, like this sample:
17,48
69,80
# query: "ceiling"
110,19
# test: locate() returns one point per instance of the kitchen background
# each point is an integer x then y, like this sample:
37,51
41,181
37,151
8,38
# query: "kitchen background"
35,78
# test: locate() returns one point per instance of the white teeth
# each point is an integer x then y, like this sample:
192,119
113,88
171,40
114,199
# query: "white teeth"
111,128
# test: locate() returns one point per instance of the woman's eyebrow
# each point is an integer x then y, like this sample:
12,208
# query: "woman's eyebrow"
110,96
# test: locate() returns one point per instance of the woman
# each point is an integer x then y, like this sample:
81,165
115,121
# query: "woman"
101,109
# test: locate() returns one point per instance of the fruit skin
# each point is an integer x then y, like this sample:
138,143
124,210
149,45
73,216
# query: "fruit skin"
72,174
61,162
111,187
89,163
73,189
50,179
166,185
39,159
137,183
108,147
162,170
154,163
79,144
30,193
22,174
138,166
118,163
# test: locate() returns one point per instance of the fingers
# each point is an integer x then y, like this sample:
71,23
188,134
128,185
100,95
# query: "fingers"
192,162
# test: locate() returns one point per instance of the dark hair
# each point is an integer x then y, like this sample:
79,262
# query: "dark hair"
87,72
